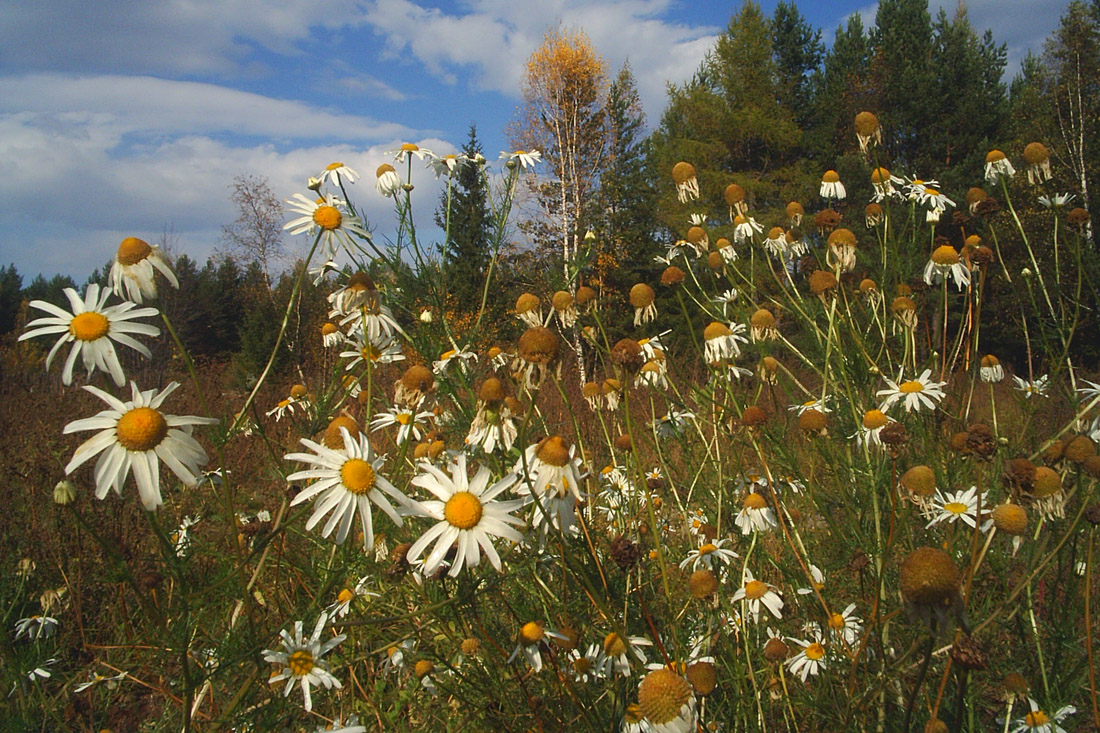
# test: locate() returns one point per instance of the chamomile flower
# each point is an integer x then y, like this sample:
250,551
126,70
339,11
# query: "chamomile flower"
997,166
584,666
326,217
870,429
348,482
745,228
524,158
336,173
411,424
387,182
347,596
35,627
458,356
551,476
810,661
755,515
945,262
448,165
672,423
300,659
95,678
722,342
915,394
709,555
1032,388
667,702
494,425
136,435
831,187
468,513
132,275
814,403
757,593
91,328
936,202
817,580
953,506
1037,721
384,351
687,184
410,150
991,370
617,653
1057,201
532,636
846,625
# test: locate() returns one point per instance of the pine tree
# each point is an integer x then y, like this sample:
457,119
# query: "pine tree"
798,55
11,297
902,39
467,251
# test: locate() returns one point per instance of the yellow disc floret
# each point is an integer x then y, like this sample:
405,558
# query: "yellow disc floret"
89,326
662,694
141,429
463,510
327,217
357,476
300,662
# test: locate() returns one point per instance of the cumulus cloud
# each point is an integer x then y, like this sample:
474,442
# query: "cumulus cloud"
100,158
492,39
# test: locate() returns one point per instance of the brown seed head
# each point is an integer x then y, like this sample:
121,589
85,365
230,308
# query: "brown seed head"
929,577
527,302
1020,473
1036,153
894,435
866,123
332,437
821,281
418,378
624,443
625,553
842,238
132,251
826,220
702,676
553,451
1092,466
753,416
775,650
968,654
591,389
492,390
1079,449
682,172
471,646
980,440
1010,518
812,421
538,345
1077,216
715,261
628,355
935,725
919,481
561,300
762,318
702,583
641,296
585,295
734,194
1046,483
672,275
662,694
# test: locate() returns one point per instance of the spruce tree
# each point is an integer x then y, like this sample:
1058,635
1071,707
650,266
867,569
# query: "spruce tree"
467,251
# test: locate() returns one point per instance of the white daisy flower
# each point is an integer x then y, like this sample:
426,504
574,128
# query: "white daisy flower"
448,165
337,172
1089,392
584,667
137,435
95,678
709,555
347,596
945,262
395,655
722,342
617,653
532,635
755,515
411,424
817,580
132,276
847,625
90,328
672,423
467,513
325,216
342,725
758,593
348,482
387,182
1035,388
808,662
525,158
955,506
991,370
551,475
35,627
410,150
1036,721
1056,201
997,165
458,355
301,660
383,351
831,187
745,228
821,405
916,394
870,429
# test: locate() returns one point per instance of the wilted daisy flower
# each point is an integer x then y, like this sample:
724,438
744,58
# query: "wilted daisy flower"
1057,201
745,228
132,276
831,187
642,297
709,555
817,580
347,596
846,625
348,481
324,216
1032,388
137,435
551,474
672,423
337,173
885,184
1037,158
687,185
868,130
757,593
936,202
842,249
532,635
410,422
90,328
997,165
916,394
950,507
467,512
181,538
493,425
448,165
1036,721
342,725
331,335
407,151
296,401
808,662
755,515
667,702
735,198
300,659
870,429
991,369
387,182
819,404
453,356
35,627
721,342
94,678
617,652
945,262
525,158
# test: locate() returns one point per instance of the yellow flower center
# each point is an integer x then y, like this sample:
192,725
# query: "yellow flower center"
955,507
815,651
463,510
874,419
754,501
931,192
409,147
707,549
141,429
333,166
531,632
1036,718
89,326
327,217
662,694
357,476
552,451
836,621
300,662
911,387
369,353
132,251
404,418
345,596
613,645
582,665
755,589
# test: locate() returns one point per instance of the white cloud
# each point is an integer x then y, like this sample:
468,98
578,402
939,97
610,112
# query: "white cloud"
88,161
175,36
494,38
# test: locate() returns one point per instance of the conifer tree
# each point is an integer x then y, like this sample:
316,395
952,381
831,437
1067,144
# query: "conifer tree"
466,252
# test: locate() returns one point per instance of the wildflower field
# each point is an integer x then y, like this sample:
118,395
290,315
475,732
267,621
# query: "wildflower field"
780,483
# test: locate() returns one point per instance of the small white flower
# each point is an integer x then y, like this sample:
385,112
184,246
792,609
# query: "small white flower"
525,158
300,659
35,627
1035,388
915,394
758,593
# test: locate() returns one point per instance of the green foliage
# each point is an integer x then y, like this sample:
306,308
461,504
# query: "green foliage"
464,214
11,297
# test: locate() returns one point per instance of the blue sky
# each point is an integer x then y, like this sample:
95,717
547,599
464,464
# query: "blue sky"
128,117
